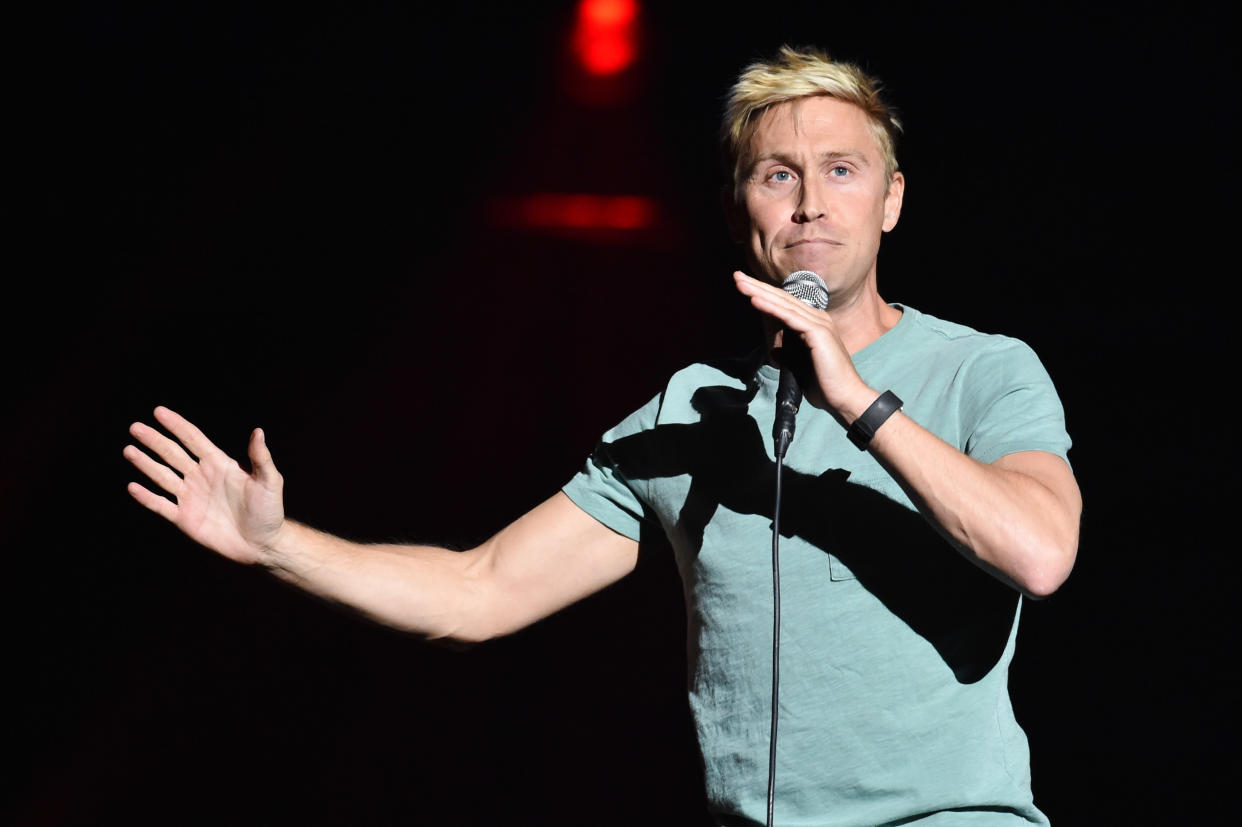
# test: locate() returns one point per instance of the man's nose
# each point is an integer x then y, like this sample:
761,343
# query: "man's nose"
812,201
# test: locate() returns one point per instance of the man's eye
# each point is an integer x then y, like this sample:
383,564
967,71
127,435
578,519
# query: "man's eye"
839,172
782,175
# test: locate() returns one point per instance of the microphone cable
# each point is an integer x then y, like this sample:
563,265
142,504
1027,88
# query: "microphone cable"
776,637
810,289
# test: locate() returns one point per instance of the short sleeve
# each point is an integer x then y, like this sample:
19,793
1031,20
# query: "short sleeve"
602,488
1010,404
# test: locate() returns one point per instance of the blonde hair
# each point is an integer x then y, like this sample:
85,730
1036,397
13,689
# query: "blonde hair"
798,74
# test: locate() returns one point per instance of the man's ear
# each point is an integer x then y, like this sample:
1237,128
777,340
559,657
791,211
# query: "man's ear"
893,199
734,215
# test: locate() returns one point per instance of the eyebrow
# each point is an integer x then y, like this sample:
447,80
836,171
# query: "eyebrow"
833,155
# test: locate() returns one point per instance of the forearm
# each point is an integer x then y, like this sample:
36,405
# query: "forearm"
550,557
1018,517
429,591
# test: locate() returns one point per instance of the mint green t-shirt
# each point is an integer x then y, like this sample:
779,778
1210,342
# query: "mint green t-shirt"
895,649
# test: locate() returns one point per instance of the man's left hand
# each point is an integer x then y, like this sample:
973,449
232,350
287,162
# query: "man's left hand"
838,387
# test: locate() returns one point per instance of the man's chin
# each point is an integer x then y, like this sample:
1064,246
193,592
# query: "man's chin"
776,272
817,264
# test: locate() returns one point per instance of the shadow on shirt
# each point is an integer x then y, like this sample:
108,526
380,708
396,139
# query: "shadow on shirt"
964,612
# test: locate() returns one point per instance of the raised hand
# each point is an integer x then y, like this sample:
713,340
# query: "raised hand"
218,504
839,386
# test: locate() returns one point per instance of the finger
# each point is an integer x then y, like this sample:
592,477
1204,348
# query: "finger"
261,458
184,430
749,285
169,451
792,313
154,502
750,288
161,475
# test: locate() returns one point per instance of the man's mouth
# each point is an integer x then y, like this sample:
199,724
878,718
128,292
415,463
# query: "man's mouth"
803,241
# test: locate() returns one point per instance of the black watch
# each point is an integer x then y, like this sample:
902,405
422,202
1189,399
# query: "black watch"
864,428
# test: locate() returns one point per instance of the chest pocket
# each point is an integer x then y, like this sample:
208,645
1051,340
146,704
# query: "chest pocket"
837,570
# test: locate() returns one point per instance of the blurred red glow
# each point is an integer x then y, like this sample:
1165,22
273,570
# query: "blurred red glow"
605,35
578,211
608,12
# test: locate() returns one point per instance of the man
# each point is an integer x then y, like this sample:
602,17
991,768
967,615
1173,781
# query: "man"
896,644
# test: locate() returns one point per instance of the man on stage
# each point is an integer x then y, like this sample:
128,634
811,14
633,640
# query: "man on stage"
926,486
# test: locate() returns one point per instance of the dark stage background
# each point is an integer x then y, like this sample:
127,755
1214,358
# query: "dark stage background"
305,219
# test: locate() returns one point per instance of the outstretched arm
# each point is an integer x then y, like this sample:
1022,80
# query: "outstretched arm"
1018,516
553,556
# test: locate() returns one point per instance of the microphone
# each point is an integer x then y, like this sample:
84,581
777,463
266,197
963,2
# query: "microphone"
807,287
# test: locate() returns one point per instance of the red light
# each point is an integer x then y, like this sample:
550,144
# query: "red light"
576,211
609,12
605,37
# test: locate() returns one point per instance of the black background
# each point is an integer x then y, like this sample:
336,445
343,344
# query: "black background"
285,218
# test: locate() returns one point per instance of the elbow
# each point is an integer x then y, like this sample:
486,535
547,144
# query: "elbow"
1048,571
1035,567
1042,560
483,608
1041,587
466,633
462,636
452,644
462,616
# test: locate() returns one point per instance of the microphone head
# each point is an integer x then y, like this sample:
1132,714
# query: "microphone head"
807,287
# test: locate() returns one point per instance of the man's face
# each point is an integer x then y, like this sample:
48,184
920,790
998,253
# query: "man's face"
816,197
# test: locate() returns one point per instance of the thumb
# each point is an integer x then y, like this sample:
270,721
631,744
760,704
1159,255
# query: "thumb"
261,458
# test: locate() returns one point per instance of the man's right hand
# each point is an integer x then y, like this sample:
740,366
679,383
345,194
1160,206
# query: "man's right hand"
552,556
218,504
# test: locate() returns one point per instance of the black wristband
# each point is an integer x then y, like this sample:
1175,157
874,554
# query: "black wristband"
864,428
